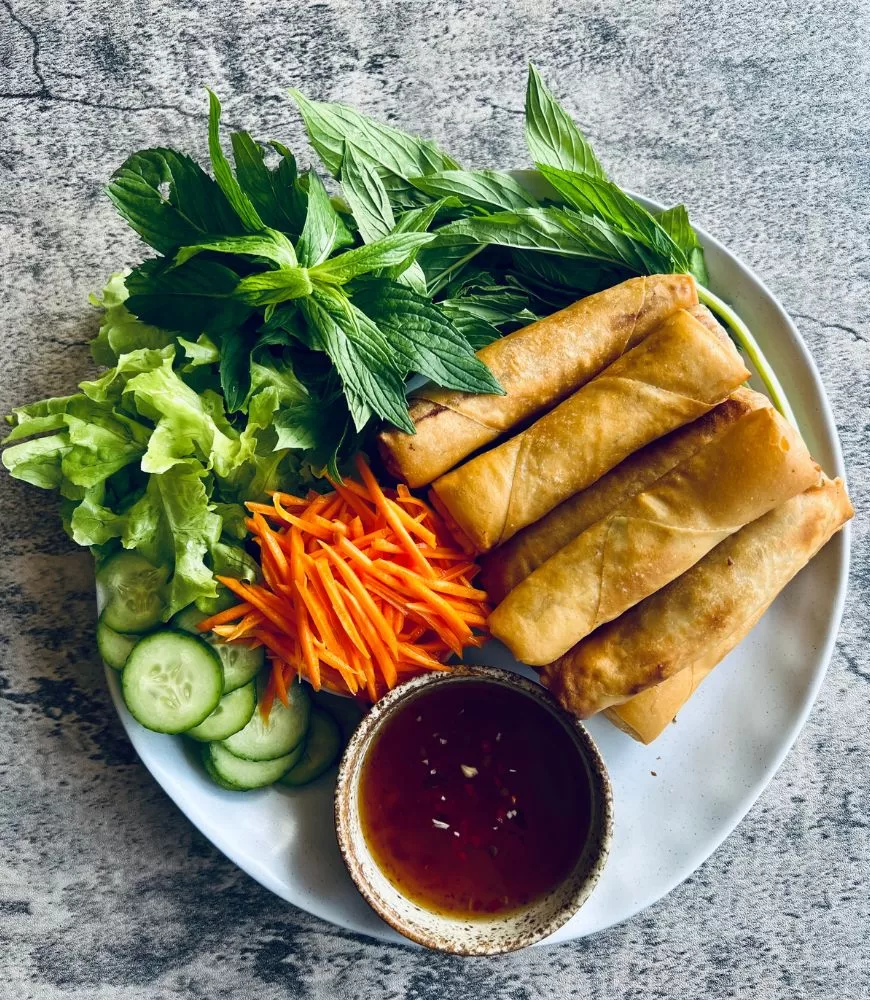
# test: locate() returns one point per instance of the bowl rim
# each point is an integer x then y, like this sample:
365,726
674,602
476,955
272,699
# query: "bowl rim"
350,769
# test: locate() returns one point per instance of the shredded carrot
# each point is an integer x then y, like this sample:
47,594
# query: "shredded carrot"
361,587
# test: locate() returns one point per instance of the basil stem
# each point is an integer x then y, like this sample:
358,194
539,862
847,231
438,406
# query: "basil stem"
750,345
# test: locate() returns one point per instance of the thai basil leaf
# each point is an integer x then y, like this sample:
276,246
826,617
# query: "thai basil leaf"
330,126
558,231
489,189
362,357
551,135
675,222
601,198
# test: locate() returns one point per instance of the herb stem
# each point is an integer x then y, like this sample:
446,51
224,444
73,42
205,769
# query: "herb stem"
750,345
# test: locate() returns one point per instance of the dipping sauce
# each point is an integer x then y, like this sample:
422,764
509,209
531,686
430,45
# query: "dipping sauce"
474,800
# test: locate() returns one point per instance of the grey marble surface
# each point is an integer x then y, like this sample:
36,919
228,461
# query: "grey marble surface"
755,114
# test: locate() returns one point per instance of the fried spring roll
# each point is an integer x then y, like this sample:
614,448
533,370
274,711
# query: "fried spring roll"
679,372
652,538
512,562
537,366
684,630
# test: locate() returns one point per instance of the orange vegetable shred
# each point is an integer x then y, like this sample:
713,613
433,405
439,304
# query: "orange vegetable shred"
361,588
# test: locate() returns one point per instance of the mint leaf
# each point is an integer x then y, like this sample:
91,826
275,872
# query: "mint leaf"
489,189
223,172
180,298
273,193
393,250
551,135
675,222
423,336
270,245
272,287
323,229
366,195
169,199
602,198
362,358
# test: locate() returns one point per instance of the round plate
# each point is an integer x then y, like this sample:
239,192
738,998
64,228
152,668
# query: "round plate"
710,766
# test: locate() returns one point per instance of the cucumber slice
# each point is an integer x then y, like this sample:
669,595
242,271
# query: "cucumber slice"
241,665
133,593
233,713
114,646
284,730
322,747
242,775
172,681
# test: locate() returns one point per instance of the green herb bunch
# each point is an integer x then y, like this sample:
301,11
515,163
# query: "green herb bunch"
276,324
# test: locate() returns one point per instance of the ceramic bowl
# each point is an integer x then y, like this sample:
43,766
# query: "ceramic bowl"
463,936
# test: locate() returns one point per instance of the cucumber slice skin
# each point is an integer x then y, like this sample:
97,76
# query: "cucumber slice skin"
245,775
233,713
159,665
133,593
322,747
241,665
114,647
284,731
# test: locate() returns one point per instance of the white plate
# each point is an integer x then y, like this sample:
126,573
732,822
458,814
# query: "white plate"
710,767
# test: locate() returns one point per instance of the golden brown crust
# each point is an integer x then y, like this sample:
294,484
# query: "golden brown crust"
537,366
512,562
679,372
695,621
653,538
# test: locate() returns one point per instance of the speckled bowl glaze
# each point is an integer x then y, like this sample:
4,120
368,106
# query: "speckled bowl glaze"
480,936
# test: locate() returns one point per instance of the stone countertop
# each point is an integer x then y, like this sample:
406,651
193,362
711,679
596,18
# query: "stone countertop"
754,114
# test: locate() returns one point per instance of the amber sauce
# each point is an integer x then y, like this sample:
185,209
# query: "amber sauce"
473,800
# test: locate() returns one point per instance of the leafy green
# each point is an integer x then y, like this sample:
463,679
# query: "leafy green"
223,172
323,230
170,200
424,337
276,325
366,195
393,250
551,135
560,231
273,192
489,189
397,155
120,331
675,222
362,357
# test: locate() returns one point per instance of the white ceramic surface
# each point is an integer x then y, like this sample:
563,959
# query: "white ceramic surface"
710,766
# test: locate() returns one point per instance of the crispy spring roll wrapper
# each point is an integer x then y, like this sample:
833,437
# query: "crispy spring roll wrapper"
537,367
679,372
512,562
652,538
684,630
